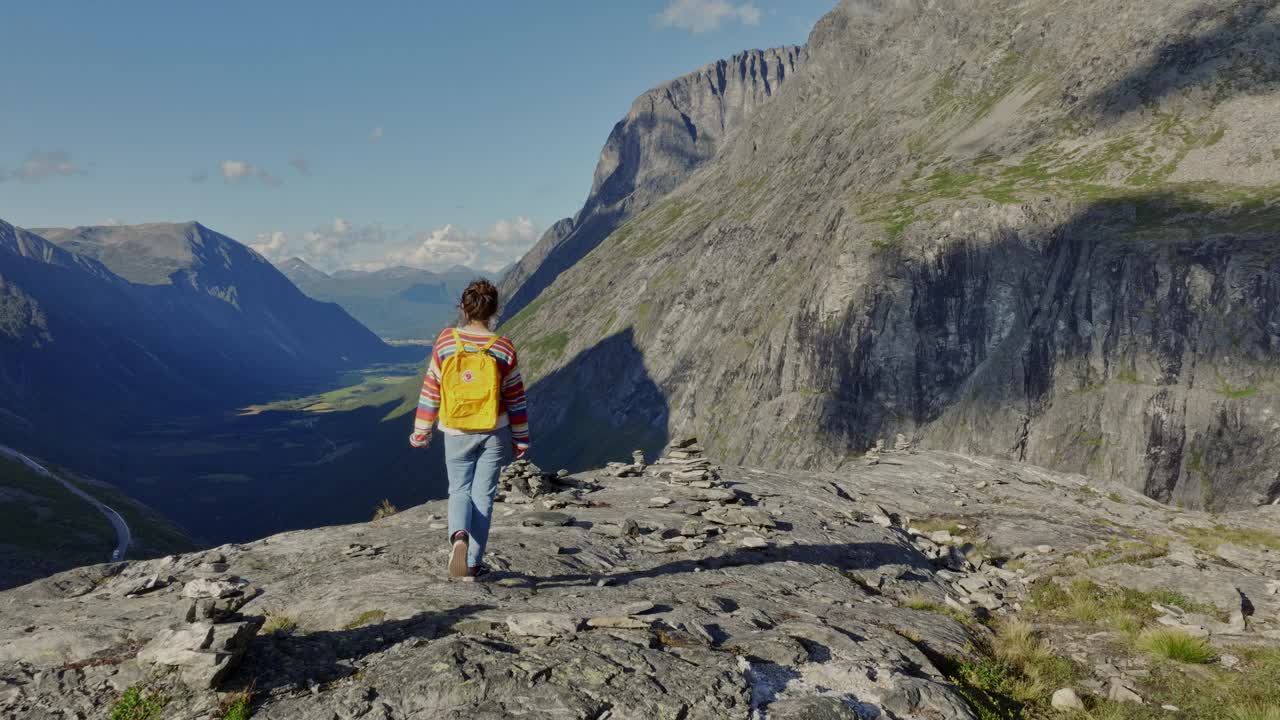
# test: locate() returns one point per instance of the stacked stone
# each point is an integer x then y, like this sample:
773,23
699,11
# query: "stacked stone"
211,636
635,468
872,456
682,463
900,444
524,478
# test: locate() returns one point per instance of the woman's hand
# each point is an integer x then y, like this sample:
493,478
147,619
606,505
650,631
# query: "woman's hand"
420,440
519,450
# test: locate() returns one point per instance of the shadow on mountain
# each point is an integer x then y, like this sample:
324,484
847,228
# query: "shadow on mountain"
845,557
1125,317
599,407
1240,44
299,660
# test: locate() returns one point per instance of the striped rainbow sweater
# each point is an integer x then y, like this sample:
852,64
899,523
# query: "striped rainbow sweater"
514,405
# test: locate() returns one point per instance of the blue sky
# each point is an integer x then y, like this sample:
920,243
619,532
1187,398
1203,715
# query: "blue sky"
352,134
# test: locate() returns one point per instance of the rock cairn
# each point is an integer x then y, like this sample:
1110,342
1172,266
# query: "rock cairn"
635,468
211,636
900,444
523,479
683,463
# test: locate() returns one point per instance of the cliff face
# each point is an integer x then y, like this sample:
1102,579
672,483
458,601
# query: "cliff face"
1046,231
669,132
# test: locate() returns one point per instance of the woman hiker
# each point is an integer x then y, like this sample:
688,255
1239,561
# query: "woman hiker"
474,389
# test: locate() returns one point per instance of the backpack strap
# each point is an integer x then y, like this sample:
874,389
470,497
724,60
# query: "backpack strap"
489,344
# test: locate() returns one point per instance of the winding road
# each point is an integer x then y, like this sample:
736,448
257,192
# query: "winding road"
123,536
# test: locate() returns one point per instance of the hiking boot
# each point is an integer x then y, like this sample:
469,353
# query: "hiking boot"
458,559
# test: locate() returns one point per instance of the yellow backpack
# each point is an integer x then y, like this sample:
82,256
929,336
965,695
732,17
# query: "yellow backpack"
469,395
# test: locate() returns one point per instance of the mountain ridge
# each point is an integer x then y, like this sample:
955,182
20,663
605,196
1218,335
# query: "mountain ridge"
668,132
401,303
204,318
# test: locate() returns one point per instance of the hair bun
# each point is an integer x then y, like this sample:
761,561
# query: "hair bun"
479,301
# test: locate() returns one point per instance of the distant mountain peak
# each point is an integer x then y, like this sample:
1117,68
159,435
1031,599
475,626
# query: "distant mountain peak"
296,265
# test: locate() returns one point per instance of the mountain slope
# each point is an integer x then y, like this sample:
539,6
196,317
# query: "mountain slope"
399,303
669,132
203,277
72,329
206,323
47,529
1040,230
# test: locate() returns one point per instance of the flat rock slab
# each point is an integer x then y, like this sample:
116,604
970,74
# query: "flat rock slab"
543,624
746,517
546,519
619,622
208,588
815,708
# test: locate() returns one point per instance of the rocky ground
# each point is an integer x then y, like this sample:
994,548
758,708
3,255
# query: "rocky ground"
629,592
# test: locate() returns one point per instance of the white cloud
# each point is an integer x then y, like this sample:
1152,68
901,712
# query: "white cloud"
300,163
701,16
41,165
239,170
451,245
374,247
274,246
376,135
109,222
236,169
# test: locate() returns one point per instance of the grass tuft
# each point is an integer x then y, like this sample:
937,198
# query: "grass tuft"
138,704
237,706
1130,552
1120,609
1254,712
953,525
925,604
279,625
1209,540
367,617
1012,679
384,510
1176,645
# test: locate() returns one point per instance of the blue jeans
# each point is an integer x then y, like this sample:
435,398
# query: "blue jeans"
473,461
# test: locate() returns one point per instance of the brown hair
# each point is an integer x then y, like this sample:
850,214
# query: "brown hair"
479,301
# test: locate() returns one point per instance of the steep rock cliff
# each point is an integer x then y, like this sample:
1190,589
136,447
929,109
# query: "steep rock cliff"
1041,230
669,132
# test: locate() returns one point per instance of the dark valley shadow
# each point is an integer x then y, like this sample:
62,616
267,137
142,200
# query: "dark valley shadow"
598,407
240,477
